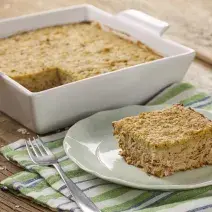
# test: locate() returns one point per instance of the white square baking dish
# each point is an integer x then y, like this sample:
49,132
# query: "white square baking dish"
61,106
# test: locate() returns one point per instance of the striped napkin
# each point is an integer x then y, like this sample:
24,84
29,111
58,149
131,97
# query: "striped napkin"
44,186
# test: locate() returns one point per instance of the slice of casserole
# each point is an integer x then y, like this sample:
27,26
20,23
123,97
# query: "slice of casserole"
166,141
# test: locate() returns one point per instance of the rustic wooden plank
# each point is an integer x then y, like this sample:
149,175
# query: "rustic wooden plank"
5,208
19,203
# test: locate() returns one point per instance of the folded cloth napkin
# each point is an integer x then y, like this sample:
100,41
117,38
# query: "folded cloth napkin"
44,185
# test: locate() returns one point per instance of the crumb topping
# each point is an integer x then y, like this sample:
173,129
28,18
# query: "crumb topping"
165,127
73,51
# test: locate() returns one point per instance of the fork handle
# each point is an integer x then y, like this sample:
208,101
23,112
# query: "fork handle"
81,199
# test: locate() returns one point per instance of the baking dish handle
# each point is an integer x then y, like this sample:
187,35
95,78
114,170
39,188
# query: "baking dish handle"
156,26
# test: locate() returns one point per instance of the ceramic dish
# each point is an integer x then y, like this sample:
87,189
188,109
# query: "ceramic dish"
91,145
62,106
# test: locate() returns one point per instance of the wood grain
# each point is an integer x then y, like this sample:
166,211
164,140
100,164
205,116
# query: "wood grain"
189,26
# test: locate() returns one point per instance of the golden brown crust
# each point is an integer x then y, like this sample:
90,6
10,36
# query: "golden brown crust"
76,51
165,128
163,142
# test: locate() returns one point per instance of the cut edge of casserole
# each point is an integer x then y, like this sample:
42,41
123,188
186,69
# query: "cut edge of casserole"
166,141
52,56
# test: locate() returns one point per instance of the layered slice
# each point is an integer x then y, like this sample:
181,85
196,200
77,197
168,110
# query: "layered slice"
166,141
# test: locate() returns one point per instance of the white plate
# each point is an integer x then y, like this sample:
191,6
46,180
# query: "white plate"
91,145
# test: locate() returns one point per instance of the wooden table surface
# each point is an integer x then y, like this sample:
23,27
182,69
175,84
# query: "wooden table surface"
190,22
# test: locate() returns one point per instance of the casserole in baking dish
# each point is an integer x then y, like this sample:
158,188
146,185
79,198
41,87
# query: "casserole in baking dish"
53,56
61,106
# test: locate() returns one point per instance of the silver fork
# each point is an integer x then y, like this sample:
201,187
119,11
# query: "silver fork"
40,154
